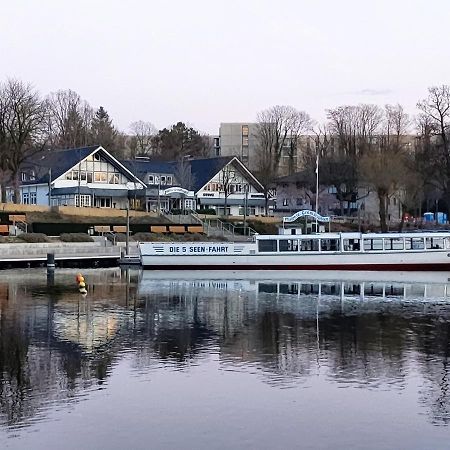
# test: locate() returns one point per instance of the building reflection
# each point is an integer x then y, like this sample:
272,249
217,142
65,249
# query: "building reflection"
56,343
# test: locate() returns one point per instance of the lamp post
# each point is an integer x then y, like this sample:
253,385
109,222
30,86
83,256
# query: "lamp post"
245,208
317,190
50,187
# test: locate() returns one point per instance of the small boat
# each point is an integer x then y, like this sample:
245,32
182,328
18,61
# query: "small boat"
323,251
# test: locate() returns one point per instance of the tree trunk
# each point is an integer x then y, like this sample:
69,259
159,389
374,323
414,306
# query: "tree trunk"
16,188
382,197
402,220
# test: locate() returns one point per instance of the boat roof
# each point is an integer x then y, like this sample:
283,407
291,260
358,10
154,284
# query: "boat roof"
356,235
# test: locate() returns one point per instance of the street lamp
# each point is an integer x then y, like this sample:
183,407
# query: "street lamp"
245,207
317,190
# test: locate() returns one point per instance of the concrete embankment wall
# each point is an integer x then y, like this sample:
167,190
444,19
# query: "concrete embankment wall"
62,250
73,211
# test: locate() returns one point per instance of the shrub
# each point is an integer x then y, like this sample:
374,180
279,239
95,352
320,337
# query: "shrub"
147,237
209,211
263,228
33,238
75,237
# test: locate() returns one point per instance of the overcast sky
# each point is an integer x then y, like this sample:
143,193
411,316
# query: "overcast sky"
210,61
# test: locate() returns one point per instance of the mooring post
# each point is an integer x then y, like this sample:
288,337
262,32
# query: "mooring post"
50,261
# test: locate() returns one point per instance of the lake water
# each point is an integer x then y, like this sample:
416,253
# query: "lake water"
172,360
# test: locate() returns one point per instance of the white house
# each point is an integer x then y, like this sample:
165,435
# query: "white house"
88,176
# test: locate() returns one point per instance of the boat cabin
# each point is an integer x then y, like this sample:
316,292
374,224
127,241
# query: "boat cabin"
354,242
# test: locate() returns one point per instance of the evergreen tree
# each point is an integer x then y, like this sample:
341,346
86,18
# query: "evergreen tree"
103,131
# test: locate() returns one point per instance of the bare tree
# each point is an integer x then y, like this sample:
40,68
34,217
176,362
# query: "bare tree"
183,174
435,125
143,133
278,129
355,128
70,118
226,178
23,121
386,168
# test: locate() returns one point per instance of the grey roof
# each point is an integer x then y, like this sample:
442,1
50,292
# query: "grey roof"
58,161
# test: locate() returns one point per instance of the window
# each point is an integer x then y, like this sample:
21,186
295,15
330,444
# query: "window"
169,180
434,243
285,202
267,245
151,179
244,130
414,244
23,176
33,198
100,177
329,245
163,179
25,198
89,177
351,245
103,202
393,244
299,201
85,200
309,245
373,244
288,245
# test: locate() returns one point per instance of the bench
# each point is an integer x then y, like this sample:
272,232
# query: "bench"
177,229
17,218
158,228
195,229
102,229
4,229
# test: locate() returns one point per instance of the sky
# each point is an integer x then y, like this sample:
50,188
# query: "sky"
204,62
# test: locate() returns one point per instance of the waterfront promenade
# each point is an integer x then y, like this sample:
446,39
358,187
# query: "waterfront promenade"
18,254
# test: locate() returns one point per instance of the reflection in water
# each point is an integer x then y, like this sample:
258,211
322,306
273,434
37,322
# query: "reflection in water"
56,345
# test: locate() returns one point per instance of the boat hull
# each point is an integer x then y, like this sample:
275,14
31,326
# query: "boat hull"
382,261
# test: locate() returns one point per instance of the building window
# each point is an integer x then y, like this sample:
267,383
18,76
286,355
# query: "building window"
285,202
163,179
103,202
169,180
82,200
33,198
244,130
25,198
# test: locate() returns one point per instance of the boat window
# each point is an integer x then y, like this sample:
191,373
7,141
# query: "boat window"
329,245
393,243
373,244
434,243
414,244
267,245
309,245
351,245
288,245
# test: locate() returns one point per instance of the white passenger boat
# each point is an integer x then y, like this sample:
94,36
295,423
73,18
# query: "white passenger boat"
323,251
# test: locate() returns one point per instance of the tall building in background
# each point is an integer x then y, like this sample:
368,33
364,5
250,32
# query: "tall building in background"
238,139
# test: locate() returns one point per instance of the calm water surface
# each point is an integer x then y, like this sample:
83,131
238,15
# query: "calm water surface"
158,360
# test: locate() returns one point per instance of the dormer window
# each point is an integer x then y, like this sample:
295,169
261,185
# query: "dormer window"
151,179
